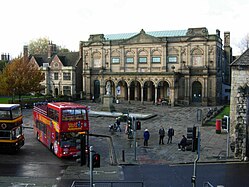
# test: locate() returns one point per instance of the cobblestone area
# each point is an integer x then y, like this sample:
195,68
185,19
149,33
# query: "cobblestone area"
213,146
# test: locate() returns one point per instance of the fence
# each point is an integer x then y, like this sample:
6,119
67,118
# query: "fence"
108,184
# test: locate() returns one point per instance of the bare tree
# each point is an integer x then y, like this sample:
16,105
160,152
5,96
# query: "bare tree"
244,43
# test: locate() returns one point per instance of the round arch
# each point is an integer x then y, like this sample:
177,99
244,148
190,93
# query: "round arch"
196,92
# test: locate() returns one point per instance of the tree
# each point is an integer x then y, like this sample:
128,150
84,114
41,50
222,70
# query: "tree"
2,64
40,46
244,43
20,77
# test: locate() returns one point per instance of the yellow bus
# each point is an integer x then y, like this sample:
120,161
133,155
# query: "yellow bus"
11,127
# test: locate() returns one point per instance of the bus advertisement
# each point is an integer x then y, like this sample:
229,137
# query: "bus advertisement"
11,127
58,125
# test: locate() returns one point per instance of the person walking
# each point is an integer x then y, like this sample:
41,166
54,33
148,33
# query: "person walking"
146,137
171,133
161,135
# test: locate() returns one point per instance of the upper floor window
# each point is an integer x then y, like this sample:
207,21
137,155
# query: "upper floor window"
156,60
142,60
115,60
172,59
129,60
197,57
56,76
66,76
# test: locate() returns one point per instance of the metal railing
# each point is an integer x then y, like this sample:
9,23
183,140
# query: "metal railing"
108,184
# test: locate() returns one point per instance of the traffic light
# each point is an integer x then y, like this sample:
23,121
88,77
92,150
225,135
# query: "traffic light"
81,145
138,125
191,134
225,123
96,160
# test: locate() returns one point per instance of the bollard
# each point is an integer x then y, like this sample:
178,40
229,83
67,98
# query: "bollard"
123,155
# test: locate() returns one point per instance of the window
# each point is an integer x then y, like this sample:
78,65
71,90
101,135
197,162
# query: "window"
115,60
142,60
56,76
172,59
129,60
66,76
197,60
53,114
156,60
66,90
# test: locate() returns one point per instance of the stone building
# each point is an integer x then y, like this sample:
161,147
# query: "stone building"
185,67
239,113
62,71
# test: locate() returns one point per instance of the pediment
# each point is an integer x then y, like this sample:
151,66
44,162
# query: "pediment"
142,37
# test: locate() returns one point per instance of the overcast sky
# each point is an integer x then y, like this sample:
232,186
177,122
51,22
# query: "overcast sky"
66,22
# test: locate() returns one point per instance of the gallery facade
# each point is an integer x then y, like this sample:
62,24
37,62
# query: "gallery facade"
185,67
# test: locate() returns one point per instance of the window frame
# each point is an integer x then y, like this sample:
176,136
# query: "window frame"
67,77
115,60
126,60
142,62
156,62
171,57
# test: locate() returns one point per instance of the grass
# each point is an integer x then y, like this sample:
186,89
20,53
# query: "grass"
4,100
224,111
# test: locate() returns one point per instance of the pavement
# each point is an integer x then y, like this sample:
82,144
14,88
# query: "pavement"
117,150
213,146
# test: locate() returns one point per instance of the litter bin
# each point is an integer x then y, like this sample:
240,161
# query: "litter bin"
218,126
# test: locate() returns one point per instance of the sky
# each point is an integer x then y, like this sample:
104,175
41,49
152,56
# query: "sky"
66,23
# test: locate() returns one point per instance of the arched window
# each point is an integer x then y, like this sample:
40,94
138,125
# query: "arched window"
197,57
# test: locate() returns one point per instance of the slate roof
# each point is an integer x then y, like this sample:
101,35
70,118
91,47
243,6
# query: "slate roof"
171,33
67,59
243,60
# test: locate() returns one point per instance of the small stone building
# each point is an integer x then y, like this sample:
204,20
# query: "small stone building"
239,113
62,71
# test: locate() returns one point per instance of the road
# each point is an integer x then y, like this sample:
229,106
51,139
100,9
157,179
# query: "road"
228,175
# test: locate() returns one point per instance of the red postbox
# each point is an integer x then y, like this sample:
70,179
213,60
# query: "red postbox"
218,126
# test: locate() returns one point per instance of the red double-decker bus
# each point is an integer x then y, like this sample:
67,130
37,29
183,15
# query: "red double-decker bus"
58,125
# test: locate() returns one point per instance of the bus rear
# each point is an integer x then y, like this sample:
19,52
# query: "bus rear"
11,127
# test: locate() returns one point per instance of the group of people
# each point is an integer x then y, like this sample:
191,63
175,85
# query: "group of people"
181,145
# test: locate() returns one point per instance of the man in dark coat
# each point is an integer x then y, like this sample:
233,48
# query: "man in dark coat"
183,143
146,137
161,135
171,133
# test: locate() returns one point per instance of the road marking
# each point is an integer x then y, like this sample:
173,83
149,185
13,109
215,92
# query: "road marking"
20,184
99,172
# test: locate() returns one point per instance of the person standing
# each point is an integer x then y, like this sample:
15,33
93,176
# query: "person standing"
161,135
171,133
146,137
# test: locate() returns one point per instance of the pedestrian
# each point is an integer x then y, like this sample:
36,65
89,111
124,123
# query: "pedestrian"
146,137
171,133
161,135
182,144
118,124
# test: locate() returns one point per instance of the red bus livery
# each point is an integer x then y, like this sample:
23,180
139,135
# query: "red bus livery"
57,125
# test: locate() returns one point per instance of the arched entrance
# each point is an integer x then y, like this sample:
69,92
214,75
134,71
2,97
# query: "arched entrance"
149,91
163,91
123,90
135,91
56,92
196,92
96,91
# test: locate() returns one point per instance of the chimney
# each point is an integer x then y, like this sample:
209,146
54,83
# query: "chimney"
226,39
218,32
2,56
25,53
50,49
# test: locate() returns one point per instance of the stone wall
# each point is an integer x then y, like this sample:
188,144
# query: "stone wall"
238,109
